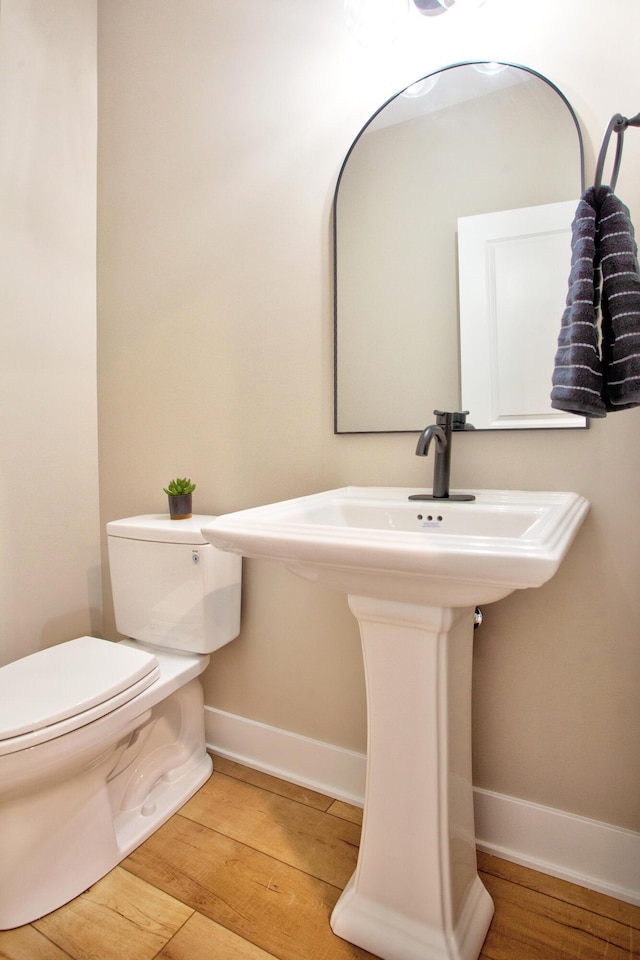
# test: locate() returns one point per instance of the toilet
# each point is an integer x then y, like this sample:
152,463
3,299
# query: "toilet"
101,742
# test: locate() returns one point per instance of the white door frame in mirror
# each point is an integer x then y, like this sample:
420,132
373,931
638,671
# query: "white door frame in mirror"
513,267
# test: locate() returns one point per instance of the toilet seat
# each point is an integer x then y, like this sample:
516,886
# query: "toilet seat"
69,685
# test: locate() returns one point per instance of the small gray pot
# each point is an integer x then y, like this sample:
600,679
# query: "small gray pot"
180,506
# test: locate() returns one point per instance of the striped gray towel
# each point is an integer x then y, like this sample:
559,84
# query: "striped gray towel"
597,363
577,376
618,255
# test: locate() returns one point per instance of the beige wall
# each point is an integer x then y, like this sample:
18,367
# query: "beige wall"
49,521
222,130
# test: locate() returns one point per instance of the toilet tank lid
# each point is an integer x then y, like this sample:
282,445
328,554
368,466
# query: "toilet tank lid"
160,528
68,679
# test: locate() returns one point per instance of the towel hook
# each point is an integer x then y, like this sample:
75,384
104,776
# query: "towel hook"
617,124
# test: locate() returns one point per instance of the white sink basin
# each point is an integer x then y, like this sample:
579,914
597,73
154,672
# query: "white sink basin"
373,541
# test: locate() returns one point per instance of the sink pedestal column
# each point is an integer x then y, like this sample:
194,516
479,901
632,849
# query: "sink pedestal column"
416,893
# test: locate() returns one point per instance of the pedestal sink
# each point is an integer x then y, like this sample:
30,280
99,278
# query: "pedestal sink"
414,572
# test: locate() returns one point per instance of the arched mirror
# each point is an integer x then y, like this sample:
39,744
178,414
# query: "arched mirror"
452,251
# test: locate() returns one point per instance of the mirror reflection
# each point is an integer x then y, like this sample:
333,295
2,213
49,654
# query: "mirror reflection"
472,140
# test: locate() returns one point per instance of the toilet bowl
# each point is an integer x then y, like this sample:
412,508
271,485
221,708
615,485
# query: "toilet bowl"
101,742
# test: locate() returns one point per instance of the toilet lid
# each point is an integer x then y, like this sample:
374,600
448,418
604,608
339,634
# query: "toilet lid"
65,680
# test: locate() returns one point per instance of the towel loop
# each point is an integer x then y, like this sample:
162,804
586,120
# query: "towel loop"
618,124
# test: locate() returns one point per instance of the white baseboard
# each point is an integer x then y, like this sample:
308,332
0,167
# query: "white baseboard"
323,767
587,852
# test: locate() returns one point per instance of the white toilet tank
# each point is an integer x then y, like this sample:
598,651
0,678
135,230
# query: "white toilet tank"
170,587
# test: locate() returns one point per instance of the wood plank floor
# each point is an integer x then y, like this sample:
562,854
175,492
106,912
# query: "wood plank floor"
250,869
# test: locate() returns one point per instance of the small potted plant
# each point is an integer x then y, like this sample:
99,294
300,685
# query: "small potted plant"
179,492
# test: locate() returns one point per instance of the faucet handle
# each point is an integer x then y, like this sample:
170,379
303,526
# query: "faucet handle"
456,419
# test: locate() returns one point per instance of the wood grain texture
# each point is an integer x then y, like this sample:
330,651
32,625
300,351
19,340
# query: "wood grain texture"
202,939
318,843
542,918
119,918
280,908
27,943
280,787
345,810
251,868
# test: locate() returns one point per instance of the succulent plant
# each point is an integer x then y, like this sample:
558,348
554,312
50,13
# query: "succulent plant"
179,487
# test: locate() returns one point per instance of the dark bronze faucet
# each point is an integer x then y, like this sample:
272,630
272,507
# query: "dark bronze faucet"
440,432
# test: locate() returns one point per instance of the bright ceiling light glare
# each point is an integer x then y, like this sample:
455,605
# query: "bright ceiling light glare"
374,23
491,67
432,8
421,87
